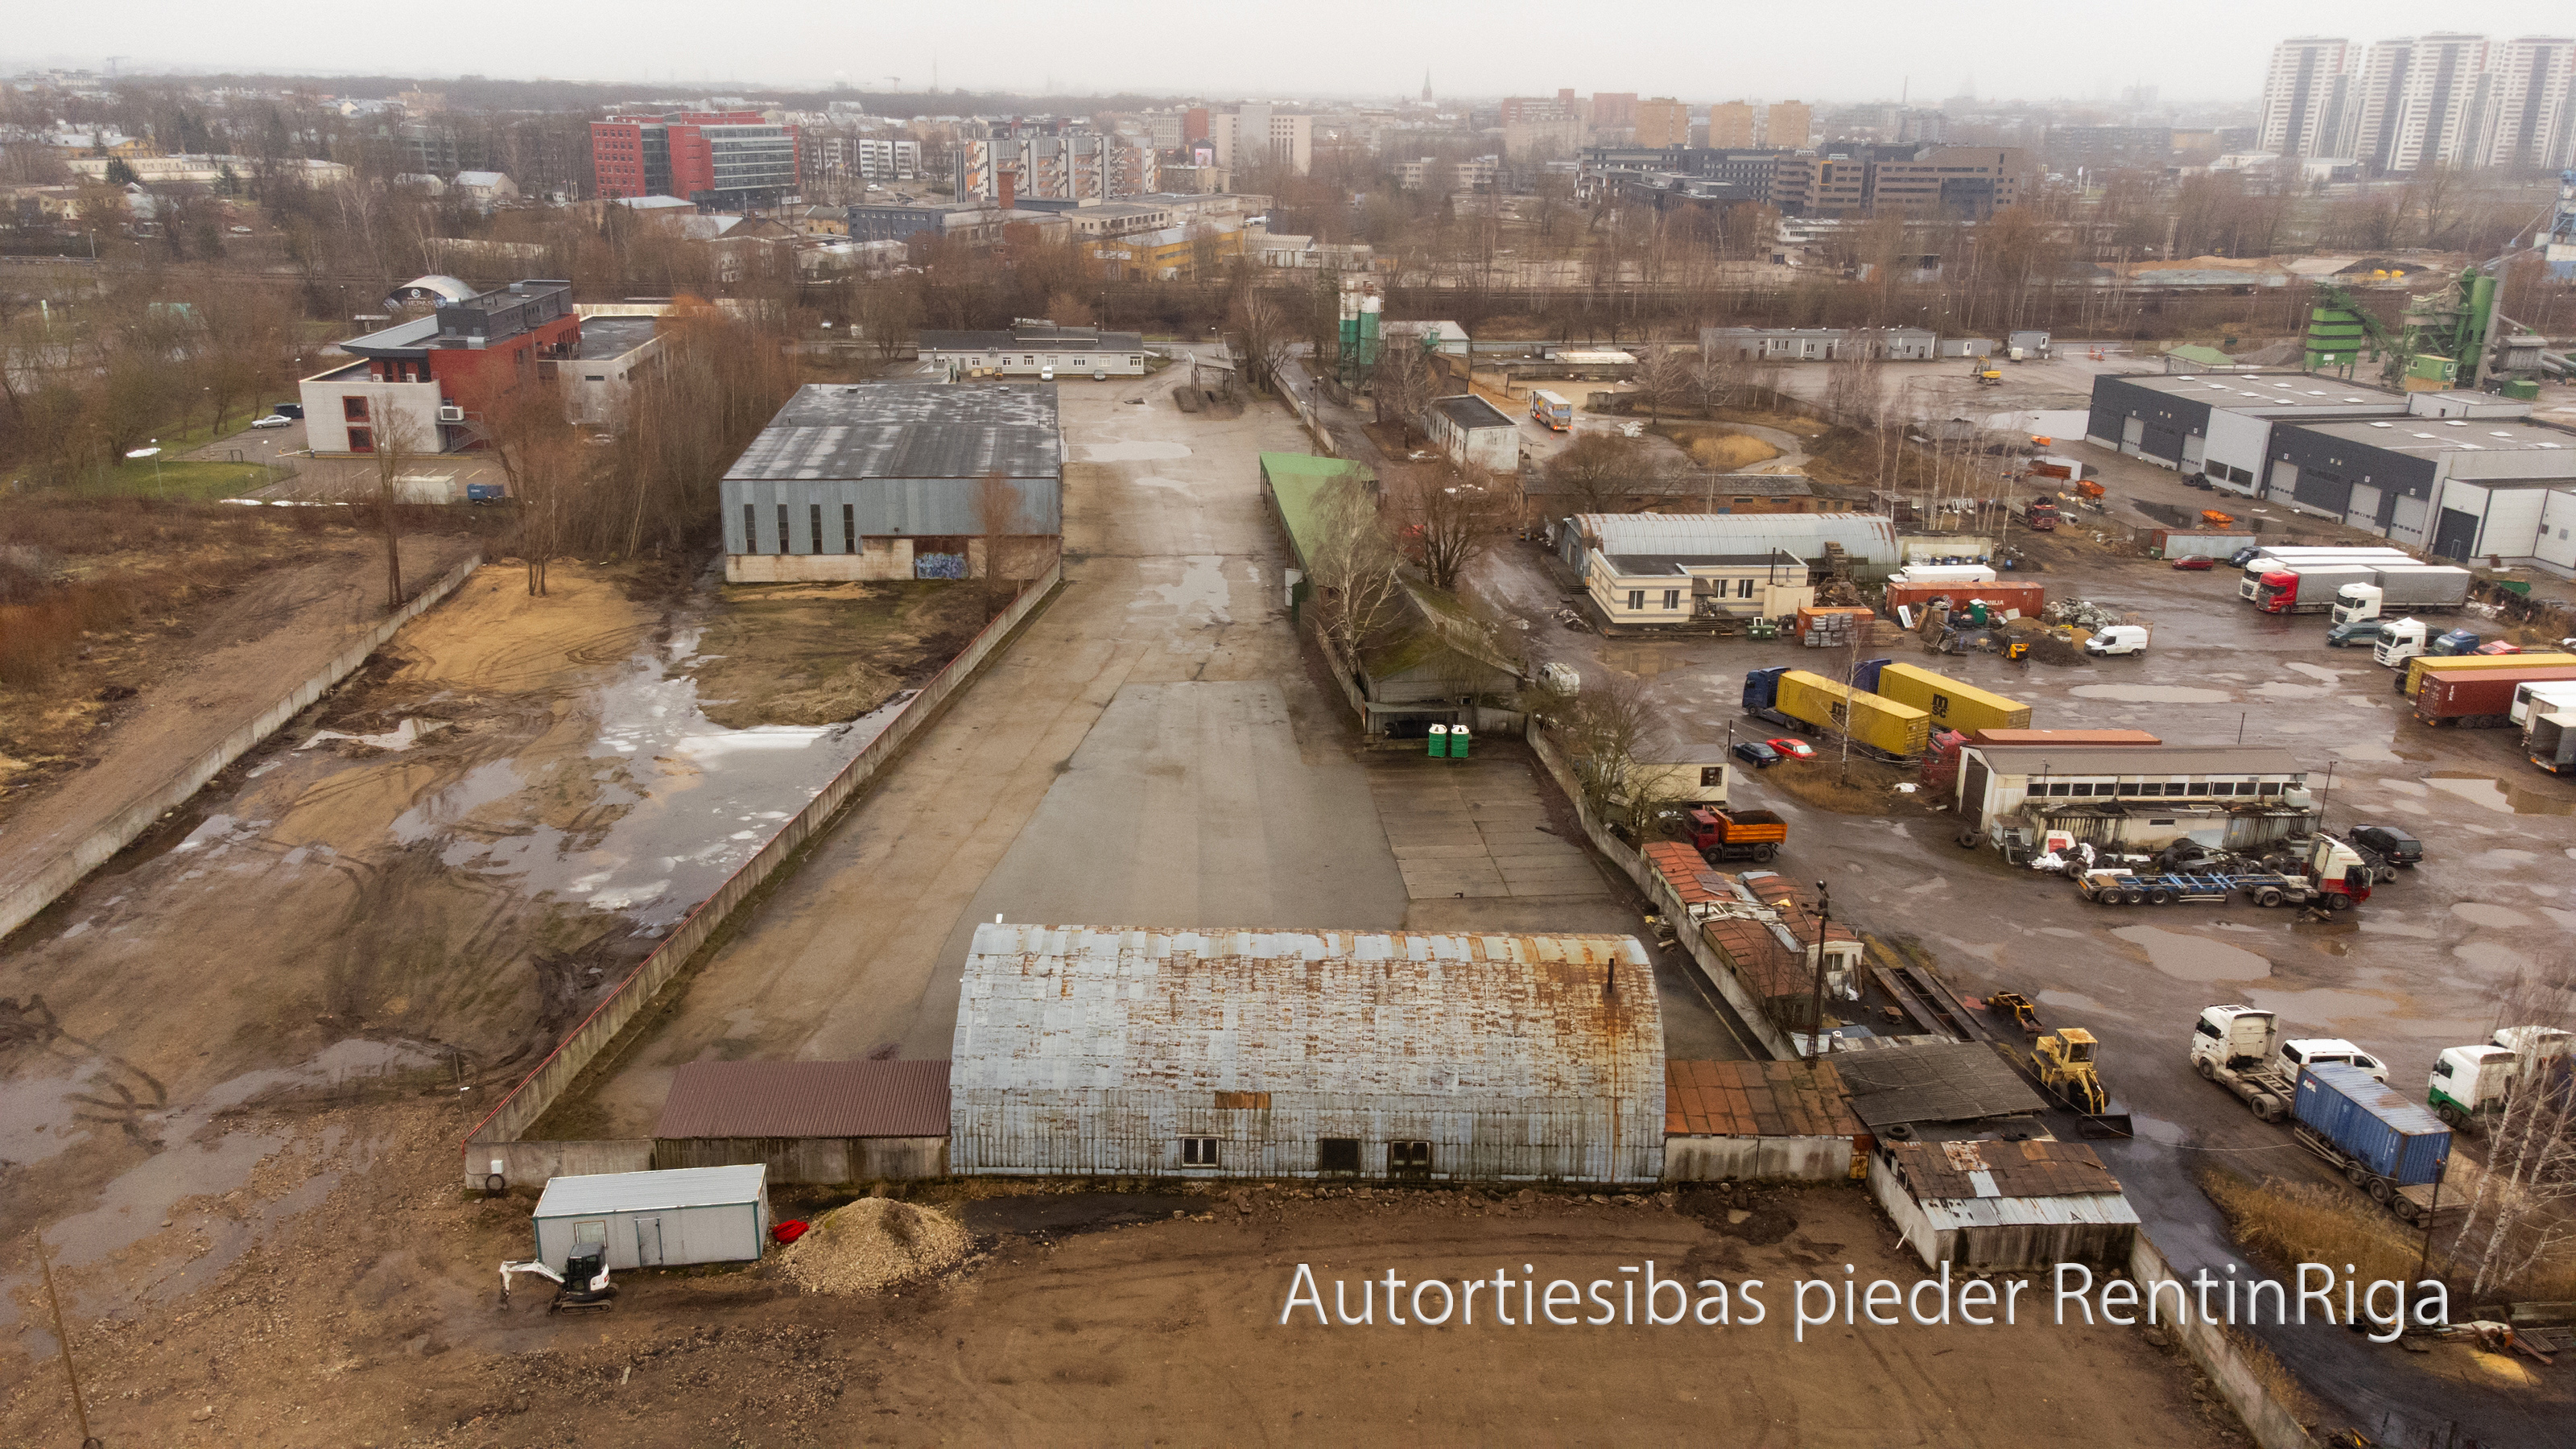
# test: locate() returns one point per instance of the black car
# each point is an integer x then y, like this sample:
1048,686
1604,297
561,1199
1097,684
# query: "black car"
1757,754
288,410
2240,558
2388,843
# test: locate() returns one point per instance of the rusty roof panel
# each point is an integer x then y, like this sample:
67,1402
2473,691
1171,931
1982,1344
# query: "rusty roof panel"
1502,1016
1955,1171
1756,1099
806,1099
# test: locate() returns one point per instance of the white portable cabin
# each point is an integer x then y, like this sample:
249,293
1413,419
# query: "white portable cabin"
657,1219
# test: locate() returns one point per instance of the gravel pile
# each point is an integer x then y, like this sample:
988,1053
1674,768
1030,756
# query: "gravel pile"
873,1244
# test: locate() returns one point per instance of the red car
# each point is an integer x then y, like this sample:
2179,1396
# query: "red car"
2196,561
1794,749
2499,646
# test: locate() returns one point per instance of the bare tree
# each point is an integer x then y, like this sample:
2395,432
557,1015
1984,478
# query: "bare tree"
1608,728
539,460
1402,385
1598,469
1716,382
1664,378
2519,1217
1268,334
1450,518
998,517
398,442
1354,568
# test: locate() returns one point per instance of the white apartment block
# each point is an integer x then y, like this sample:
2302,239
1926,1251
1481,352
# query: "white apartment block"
2307,98
2533,119
2423,101
1241,136
881,160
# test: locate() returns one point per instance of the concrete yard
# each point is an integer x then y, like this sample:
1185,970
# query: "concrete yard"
1154,750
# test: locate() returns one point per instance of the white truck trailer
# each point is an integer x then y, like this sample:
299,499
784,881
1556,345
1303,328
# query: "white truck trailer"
2416,589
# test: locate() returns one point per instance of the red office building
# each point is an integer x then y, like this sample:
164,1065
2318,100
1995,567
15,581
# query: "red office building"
722,160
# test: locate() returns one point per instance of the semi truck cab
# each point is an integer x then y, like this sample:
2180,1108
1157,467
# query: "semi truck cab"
2234,1037
2276,592
2469,1082
2399,642
2357,601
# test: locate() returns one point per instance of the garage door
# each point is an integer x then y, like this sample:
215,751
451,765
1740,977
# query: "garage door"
2456,534
2193,447
2363,510
2131,432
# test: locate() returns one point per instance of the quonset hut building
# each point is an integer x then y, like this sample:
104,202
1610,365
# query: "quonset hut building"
1352,1054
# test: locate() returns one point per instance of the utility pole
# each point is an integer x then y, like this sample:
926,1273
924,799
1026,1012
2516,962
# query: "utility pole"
63,1339
1816,1018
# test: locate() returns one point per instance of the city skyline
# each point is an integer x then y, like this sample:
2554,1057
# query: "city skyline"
1336,49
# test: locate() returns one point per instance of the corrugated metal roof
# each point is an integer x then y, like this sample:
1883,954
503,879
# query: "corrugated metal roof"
1468,410
909,430
1756,1099
1494,1016
1957,1171
806,1099
1866,537
625,1192
1949,1082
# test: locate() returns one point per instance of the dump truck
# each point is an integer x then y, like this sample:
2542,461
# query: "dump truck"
2393,1149
2039,515
1811,704
1951,704
2421,667
1720,834
2417,589
2481,698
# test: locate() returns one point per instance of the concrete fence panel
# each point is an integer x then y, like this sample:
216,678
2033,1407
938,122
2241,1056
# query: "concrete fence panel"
68,869
2228,1367
548,1081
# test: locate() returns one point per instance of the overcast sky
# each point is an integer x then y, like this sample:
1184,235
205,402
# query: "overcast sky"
1700,51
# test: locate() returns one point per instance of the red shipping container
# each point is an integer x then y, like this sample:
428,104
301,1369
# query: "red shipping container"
2483,700
2025,597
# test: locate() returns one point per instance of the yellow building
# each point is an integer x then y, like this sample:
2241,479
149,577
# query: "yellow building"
1790,121
1663,122
1730,126
1170,254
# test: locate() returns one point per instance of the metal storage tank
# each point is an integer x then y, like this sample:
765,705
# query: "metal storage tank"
657,1219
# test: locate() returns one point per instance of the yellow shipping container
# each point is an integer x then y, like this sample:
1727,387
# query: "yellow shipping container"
2474,663
1952,705
1882,724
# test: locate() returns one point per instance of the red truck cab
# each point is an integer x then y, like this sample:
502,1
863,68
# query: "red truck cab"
2277,592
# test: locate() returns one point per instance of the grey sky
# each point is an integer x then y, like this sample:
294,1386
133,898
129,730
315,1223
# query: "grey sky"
1855,50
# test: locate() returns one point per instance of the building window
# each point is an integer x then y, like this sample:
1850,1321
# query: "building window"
1712,777
2269,787
750,528
1636,598
849,528
354,409
1672,598
2082,788
1408,1159
2174,788
2128,787
814,526
362,440
1337,1154
782,528
1744,588
1198,1152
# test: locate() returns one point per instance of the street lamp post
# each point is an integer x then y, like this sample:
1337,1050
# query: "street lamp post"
1816,1018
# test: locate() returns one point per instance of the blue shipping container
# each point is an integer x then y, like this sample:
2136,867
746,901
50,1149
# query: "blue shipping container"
2396,1137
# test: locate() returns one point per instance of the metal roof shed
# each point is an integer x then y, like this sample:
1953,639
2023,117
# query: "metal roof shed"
1989,1206
657,1219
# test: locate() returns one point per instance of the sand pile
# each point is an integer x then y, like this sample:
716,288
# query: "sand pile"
873,1244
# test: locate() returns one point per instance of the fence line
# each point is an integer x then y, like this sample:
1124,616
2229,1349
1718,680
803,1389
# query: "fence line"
101,845
546,1083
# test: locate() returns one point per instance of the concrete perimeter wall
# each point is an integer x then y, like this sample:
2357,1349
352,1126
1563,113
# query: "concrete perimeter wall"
2230,1370
65,871
1748,1008
540,1089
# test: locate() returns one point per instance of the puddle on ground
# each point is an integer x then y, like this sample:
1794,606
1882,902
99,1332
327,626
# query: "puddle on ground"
2380,925
2071,1001
2278,690
2327,1004
1199,597
2319,672
2492,956
2068,932
1643,660
2495,794
2374,754
2478,913
1147,452
2566,920
2151,693
2194,958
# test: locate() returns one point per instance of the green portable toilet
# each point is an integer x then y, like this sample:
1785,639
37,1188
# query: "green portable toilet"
1439,741
1977,612
1457,742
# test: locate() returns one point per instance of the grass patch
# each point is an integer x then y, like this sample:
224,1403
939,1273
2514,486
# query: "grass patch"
179,482
1713,445
1819,782
2288,1223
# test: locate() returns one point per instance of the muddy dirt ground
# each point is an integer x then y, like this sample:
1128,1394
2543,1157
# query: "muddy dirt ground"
421,880
816,654
365,1313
